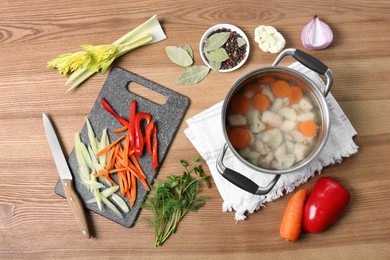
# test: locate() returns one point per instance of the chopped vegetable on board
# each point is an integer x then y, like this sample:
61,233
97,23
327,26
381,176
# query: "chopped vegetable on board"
269,39
88,163
126,149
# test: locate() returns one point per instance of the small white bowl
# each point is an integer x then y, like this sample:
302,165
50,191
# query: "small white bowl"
232,28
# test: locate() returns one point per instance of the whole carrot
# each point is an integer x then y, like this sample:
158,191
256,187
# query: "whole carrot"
291,226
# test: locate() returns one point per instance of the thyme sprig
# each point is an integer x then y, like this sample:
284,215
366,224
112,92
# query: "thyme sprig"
174,198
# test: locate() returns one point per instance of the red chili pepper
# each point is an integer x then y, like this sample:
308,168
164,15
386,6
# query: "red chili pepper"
132,113
325,204
155,148
139,139
112,112
148,136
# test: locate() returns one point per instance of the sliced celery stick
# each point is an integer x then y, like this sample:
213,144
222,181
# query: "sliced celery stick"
85,153
120,202
95,164
103,143
92,138
109,191
104,180
96,192
111,206
92,184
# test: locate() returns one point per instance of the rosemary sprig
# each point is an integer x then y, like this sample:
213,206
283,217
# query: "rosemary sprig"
174,198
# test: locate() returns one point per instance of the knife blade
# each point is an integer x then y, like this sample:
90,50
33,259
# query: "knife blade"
66,177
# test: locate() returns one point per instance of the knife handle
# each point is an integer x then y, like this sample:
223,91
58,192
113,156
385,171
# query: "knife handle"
76,206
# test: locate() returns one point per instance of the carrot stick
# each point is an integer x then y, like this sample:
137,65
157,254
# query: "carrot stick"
240,104
308,128
281,88
115,156
136,173
105,149
295,95
122,184
135,162
120,130
239,137
291,226
128,177
261,102
145,184
133,190
105,174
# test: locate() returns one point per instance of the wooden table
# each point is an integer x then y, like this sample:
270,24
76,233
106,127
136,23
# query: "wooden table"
35,223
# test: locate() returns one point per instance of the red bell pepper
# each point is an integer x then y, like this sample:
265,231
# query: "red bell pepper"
148,136
139,138
155,148
132,113
113,112
325,204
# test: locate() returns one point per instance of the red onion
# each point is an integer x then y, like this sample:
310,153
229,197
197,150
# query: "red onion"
316,35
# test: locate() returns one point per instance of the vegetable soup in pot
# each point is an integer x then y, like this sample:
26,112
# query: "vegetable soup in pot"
273,120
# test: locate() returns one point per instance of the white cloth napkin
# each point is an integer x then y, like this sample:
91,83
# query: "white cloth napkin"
205,133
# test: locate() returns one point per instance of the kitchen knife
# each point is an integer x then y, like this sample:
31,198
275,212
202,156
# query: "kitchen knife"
66,177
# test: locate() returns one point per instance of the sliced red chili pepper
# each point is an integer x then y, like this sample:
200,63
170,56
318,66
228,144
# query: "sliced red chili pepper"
148,136
132,113
139,138
113,112
155,148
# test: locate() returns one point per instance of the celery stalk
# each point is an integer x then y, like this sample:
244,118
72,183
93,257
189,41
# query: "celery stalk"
83,64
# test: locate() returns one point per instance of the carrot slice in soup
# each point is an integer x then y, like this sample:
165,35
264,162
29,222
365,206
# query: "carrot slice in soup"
239,137
308,128
281,88
266,80
261,102
253,88
295,95
240,104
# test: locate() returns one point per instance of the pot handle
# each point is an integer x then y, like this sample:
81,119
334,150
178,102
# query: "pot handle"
311,63
240,180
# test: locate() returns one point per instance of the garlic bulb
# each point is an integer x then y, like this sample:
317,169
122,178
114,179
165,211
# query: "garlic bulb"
316,35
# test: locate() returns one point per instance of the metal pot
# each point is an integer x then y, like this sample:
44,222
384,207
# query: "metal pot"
310,88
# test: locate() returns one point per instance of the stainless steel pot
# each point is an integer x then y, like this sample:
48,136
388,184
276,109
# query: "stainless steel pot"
311,88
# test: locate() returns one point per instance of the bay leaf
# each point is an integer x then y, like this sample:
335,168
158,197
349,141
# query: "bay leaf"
193,75
215,41
241,42
219,54
215,65
188,48
179,56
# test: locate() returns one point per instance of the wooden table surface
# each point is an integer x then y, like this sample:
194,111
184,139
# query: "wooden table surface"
35,223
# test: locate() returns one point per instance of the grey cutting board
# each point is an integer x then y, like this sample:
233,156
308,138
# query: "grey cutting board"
168,118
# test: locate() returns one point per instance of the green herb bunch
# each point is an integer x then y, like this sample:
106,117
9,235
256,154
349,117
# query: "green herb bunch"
174,198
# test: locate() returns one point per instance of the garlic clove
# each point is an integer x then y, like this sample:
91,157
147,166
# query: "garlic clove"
316,35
